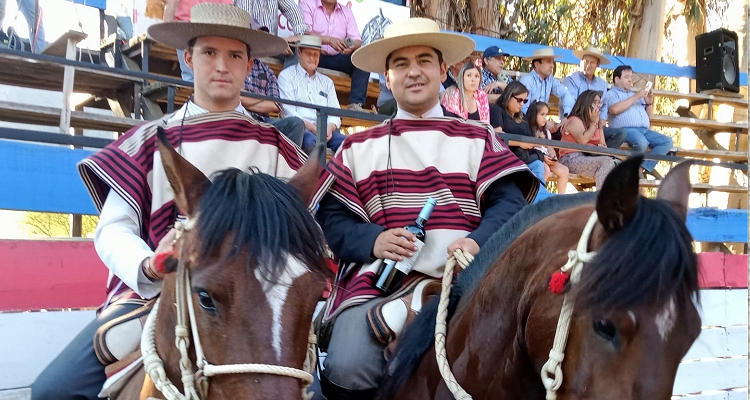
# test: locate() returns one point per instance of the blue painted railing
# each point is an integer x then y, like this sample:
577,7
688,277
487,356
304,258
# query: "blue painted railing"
39,177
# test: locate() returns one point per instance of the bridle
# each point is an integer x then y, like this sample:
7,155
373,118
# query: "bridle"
195,384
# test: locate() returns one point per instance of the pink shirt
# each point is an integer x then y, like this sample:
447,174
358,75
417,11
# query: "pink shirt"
182,11
340,24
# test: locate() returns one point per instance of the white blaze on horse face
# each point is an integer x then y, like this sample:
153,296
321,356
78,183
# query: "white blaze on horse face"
276,293
665,319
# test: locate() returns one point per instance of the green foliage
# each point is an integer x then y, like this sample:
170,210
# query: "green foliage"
56,225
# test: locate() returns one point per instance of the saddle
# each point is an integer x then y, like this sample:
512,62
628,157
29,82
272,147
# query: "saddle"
118,338
388,318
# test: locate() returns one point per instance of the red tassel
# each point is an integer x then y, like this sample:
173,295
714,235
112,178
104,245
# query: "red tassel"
160,259
558,281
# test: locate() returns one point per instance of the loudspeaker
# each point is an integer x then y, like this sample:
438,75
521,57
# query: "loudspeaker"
717,61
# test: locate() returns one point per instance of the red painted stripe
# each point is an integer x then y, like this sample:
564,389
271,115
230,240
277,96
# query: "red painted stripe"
719,270
50,274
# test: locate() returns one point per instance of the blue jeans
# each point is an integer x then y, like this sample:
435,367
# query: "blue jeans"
187,73
28,10
308,142
343,63
641,139
614,137
537,168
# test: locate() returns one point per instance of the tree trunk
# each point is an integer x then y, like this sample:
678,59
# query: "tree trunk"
647,35
484,16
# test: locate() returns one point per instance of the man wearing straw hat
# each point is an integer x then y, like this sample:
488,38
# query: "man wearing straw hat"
540,82
129,185
378,182
585,79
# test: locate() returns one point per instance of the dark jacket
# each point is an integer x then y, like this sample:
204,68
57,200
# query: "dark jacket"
500,117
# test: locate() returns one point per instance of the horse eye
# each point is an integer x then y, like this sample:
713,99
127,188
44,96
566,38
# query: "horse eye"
605,329
205,300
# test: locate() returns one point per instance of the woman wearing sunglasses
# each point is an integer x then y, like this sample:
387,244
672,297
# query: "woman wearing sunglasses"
506,116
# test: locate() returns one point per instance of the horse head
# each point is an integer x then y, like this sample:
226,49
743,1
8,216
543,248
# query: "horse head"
634,317
255,260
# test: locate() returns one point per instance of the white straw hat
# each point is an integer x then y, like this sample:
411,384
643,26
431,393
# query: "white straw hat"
216,19
546,52
412,32
594,52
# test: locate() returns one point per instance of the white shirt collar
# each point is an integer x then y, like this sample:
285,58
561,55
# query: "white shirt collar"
301,71
434,112
190,109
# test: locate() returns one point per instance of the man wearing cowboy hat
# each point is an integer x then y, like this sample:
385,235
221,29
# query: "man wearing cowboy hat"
377,183
129,186
585,79
540,82
303,83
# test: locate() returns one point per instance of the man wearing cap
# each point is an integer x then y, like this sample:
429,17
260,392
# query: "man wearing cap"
378,182
585,79
541,83
129,186
494,80
303,83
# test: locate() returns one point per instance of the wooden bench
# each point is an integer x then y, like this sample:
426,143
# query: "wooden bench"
581,182
50,116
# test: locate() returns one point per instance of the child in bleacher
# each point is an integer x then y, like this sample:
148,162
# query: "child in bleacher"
537,117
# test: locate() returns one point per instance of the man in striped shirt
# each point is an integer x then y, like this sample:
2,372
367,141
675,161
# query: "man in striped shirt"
632,111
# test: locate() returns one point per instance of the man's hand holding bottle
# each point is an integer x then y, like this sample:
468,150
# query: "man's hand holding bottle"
395,244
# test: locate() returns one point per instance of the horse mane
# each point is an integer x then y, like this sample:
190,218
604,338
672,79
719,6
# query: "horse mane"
650,259
419,336
263,214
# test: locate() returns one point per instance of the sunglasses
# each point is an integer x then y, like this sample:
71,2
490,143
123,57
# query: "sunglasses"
524,101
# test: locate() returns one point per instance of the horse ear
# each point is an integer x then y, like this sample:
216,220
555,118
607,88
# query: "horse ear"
675,189
188,182
305,181
618,196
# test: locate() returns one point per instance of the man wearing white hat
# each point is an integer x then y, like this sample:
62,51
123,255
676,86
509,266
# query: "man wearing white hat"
585,79
540,82
128,183
379,181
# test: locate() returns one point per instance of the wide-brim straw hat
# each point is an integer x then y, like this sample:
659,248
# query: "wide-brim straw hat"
309,42
546,52
594,52
222,20
412,32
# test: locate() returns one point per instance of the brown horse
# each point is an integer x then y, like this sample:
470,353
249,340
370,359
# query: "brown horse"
255,259
634,316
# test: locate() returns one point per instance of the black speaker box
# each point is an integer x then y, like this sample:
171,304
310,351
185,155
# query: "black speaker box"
717,63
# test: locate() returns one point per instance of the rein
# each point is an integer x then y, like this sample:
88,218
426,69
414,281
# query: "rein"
154,365
552,375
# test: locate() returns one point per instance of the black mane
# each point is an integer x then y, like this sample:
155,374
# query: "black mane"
263,214
650,259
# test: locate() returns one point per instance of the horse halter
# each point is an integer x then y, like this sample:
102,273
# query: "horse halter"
552,375
154,365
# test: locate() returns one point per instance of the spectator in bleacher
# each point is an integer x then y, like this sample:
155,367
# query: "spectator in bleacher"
266,12
585,79
303,83
386,102
127,182
632,112
541,83
28,9
508,117
453,70
582,127
494,79
465,99
537,118
335,25
179,11
262,80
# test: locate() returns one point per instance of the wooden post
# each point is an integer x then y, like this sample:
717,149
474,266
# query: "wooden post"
68,77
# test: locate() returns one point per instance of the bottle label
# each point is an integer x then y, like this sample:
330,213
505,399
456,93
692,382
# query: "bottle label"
407,264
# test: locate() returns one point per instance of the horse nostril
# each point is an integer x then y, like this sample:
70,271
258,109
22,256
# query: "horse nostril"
605,329
205,301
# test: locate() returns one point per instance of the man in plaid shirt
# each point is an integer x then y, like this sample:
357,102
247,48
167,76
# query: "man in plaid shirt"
262,80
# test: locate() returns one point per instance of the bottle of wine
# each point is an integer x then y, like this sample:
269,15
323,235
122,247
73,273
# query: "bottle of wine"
393,272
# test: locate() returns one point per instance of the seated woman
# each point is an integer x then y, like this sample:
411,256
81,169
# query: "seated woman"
537,118
582,127
464,98
506,116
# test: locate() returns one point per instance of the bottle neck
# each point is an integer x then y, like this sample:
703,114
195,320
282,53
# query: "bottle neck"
420,222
